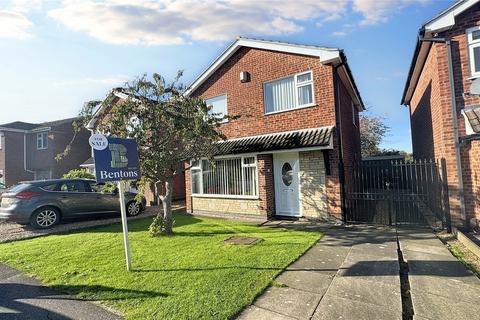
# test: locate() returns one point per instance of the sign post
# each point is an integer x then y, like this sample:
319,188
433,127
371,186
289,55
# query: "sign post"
117,160
123,210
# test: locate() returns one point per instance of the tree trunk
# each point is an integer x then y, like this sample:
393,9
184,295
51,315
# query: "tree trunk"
167,206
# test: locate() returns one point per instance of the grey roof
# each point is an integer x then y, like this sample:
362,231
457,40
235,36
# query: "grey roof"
19,125
316,137
58,122
26,126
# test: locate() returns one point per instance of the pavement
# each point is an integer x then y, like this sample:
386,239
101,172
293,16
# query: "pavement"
353,273
22,297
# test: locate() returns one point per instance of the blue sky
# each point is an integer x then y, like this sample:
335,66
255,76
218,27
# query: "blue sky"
56,55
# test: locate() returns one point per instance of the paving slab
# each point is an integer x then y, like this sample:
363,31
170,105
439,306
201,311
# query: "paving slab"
315,282
370,267
23,297
256,313
322,259
333,307
289,302
371,292
435,307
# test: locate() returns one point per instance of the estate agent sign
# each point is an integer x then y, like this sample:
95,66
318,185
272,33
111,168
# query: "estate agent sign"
116,159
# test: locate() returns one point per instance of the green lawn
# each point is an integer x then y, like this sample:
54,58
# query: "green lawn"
192,275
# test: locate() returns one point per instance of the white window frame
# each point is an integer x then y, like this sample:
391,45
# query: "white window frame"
211,195
40,137
472,44
297,85
226,103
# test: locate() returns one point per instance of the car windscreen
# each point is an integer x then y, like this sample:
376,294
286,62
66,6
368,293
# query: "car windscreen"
19,187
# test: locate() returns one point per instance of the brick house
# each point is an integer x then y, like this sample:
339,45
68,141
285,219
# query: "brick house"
444,115
101,116
298,126
28,150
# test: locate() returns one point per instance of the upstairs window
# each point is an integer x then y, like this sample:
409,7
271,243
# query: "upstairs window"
292,92
473,40
218,104
42,140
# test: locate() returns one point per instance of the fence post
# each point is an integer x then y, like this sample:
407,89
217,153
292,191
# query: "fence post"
446,203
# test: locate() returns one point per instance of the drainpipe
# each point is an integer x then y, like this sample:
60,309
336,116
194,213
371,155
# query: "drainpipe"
456,139
25,154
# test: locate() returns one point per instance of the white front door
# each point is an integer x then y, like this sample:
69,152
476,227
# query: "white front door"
286,177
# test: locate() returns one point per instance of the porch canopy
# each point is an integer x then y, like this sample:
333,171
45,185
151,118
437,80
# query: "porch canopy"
315,138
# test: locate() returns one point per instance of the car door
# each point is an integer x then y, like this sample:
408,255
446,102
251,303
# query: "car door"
104,202
73,197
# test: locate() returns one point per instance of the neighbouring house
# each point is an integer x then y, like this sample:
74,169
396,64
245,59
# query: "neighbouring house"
444,109
297,130
28,150
101,116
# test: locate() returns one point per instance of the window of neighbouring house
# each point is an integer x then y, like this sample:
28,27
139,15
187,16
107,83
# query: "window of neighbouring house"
473,39
42,140
225,177
219,105
292,92
472,119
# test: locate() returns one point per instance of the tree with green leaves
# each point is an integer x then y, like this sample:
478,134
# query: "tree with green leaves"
169,128
373,130
78,174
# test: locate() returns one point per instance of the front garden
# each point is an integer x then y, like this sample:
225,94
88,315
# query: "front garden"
192,275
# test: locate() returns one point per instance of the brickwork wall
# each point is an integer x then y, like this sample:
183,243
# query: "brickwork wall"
431,118
246,99
14,168
312,185
226,205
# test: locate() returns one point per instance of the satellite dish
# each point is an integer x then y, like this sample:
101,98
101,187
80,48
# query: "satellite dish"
475,87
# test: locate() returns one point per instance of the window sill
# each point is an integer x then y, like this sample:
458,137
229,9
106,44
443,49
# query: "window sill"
224,196
293,109
474,77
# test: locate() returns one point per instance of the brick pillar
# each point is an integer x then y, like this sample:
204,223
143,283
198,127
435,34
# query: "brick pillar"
332,185
266,188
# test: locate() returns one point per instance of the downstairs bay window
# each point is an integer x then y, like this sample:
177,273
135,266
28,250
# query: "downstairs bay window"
236,177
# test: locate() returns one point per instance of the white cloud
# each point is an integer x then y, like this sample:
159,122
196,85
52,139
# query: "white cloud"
14,25
378,11
165,22
109,81
25,6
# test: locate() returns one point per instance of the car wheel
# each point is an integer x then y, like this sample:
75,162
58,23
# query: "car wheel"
134,208
45,218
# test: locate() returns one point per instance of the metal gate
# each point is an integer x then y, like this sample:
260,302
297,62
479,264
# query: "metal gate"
397,192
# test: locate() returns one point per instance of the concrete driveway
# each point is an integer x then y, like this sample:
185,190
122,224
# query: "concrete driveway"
353,273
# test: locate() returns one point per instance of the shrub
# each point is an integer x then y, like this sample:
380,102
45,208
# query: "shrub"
78,174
